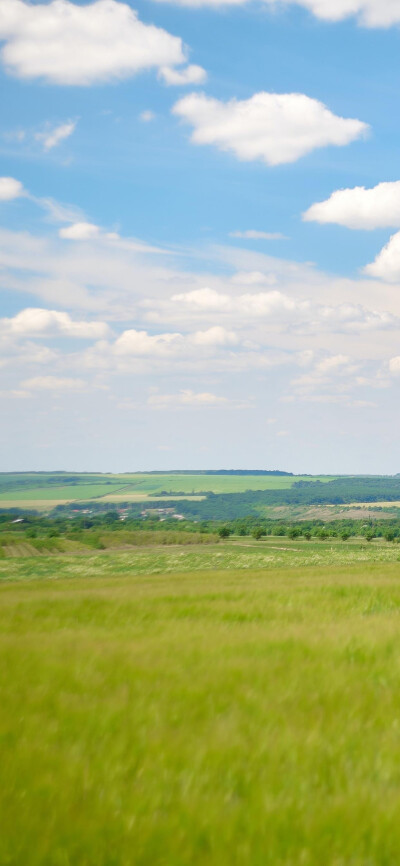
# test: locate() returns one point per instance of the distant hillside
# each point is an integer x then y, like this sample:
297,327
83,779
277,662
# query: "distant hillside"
215,472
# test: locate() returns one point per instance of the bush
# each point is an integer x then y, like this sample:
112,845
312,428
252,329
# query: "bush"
224,532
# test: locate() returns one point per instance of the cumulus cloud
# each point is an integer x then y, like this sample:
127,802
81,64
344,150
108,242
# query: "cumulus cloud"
36,322
369,13
394,365
360,208
67,44
51,137
278,310
53,383
141,343
249,304
387,263
10,188
204,299
254,235
179,320
354,317
133,342
191,75
215,336
276,128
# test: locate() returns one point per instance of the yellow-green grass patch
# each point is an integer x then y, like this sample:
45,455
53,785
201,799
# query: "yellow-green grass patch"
224,718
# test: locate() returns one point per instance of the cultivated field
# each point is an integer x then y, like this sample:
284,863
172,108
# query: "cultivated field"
238,717
43,492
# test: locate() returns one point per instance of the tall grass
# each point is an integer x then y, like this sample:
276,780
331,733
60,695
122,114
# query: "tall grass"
219,718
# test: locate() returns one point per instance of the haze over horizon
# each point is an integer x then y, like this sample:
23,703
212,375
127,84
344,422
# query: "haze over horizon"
200,235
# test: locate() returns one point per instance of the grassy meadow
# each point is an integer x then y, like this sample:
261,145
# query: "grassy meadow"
233,703
138,553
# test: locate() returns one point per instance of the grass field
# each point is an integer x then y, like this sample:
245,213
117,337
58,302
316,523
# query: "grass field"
237,717
136,554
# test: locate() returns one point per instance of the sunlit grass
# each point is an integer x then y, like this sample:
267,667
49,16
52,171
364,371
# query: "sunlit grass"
245,717
23,560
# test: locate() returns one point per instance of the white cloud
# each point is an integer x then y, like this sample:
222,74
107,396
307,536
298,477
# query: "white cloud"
112,282
276,128
141,343
80,232
387,263
215,336
64,43
147,116
329,365
25,354
254,235
256,304
360,208
53,383
191,75
335,373
394,365
185,398
37,322
204,299
84,231
10,188
369,13
51,137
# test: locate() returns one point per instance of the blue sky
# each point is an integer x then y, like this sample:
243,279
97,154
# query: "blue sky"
200,235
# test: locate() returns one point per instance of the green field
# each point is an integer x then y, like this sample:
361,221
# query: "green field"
154,553
43,492
201,706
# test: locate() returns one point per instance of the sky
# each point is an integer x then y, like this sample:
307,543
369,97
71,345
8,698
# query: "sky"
200,235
